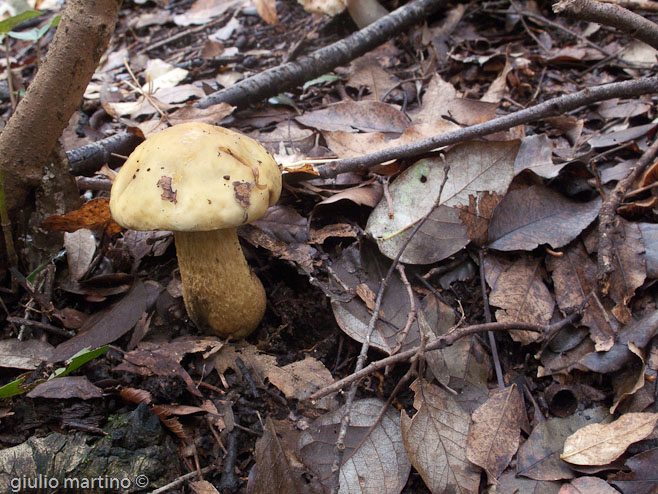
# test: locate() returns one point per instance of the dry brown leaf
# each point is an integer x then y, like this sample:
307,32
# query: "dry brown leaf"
277,468
494,436
600,444
587,485
527,218
26,355
299,379
267,11
350,116
92,215
574,278
523,296
66,387
203,487
435,439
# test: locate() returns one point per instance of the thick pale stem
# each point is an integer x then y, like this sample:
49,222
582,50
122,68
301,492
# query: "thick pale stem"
221,293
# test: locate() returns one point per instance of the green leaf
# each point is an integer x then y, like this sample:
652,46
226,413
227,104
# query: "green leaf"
79,359
320,80
10,23
16,386
74,363
35,33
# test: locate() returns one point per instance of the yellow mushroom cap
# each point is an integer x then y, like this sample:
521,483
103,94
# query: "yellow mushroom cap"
195,177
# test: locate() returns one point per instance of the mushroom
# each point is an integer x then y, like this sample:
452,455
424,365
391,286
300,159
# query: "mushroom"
202,182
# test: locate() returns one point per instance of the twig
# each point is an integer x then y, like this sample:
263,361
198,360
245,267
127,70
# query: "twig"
610,15
411,316
41,325
229,480
180,35
181,479
487,317
647,5
339,449
440,343
272,81
552,107
608,214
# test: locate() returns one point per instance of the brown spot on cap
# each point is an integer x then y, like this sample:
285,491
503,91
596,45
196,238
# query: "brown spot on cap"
242,191
167,193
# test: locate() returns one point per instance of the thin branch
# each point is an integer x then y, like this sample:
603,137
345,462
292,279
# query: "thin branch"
290,75
608,214
550,108
442,342
610,15
487,317
339,449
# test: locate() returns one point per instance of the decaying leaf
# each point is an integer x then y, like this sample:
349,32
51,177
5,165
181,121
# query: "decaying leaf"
495,433
599,444
436,438
92,215
277,467
473,169
375,462
539,457
527,218
364,266
522,295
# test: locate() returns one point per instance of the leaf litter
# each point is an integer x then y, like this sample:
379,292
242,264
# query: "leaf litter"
528,196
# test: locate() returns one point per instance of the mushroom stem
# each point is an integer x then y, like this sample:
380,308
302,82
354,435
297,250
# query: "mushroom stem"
221,293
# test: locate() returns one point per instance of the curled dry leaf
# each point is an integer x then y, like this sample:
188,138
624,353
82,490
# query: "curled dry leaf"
435,439
599,444
92,215
375,462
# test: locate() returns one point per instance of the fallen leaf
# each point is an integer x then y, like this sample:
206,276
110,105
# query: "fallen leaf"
108,325
80,249
350,116
472,168
527,218
302,378
274,471
522,296
27,355
66,387
644,476
267,11
435,439
587,485
494,436
599,444
539,457
574,278
92,215
374,463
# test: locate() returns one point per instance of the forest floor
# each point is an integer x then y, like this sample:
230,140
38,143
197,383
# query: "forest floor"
385,273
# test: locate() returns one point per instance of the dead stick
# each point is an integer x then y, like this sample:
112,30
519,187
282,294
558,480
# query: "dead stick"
610,15
442,342
339,449
290,75
552,107
608,214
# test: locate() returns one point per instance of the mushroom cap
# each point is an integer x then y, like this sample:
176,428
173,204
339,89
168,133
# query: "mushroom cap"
195,177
